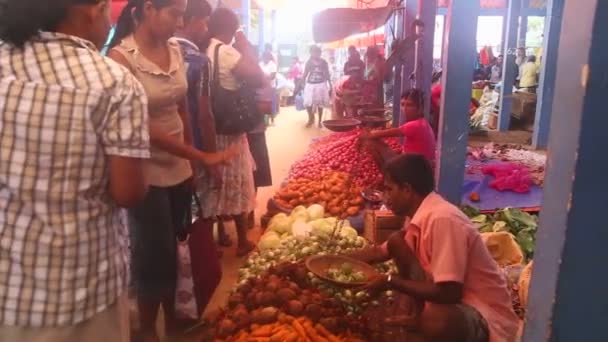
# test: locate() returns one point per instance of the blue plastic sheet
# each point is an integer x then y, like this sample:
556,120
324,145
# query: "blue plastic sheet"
491,198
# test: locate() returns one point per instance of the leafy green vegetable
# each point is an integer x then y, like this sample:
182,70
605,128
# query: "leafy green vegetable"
520,224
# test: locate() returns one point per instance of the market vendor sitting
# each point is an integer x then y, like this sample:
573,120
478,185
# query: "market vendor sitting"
418,134
443,264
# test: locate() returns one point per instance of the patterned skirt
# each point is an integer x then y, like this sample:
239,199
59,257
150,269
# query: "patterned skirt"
236,193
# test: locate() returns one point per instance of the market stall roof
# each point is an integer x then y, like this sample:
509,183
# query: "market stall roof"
335,24
359,40
493,4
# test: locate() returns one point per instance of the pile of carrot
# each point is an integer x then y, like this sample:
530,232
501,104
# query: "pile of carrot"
290,329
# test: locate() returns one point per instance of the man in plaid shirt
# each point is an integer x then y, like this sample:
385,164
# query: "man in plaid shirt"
73,135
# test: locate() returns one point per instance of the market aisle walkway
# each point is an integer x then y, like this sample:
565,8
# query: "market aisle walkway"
287,141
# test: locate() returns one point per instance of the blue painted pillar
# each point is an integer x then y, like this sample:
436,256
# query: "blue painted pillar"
443,39
567,300
523,24
544,103
246,16
411,11
398,79
509,66
461,29
427,12
261,30
273,32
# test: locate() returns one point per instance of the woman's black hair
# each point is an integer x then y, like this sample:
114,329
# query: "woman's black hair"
133,12
20,20
197,9
412,169
415,95
223,21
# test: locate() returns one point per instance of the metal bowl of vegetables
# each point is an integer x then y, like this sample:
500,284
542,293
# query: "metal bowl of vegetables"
372,196
341,125
340,270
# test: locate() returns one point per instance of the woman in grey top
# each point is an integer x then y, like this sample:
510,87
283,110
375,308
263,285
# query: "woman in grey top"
149,52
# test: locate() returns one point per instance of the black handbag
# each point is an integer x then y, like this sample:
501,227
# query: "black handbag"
235,111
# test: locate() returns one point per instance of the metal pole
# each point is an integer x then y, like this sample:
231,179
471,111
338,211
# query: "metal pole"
509,66
544,103
461,28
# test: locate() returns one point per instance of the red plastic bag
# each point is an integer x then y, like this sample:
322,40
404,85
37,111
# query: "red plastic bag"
509,176
206,265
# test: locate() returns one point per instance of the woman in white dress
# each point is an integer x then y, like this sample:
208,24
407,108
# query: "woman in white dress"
318,86
235,198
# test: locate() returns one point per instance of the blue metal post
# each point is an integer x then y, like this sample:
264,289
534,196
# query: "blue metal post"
273,32
411,10
443,39
509,66
523,24
568,299
427,12
246,16
461,29
544,103
397,82
261,30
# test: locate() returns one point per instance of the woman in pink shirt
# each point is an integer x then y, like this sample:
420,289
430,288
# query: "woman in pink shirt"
418,134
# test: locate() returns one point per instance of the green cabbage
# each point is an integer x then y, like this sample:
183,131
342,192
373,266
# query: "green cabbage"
281,225
277,217
315,212
301,228
300,216
349,233
270,240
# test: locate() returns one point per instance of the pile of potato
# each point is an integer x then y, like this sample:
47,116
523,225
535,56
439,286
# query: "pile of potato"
333,190
282,305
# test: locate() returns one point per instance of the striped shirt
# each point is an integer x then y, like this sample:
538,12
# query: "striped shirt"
63,241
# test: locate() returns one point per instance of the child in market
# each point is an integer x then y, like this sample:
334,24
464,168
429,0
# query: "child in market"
417,132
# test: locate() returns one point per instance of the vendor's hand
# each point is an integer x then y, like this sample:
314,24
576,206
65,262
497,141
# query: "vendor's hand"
376,285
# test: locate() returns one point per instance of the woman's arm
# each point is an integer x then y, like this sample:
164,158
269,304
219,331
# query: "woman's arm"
160,139
306,72
386,133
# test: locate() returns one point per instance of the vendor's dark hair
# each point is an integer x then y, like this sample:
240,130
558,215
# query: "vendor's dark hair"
133,12
223,21
415,95
412,169
197,9
22,19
